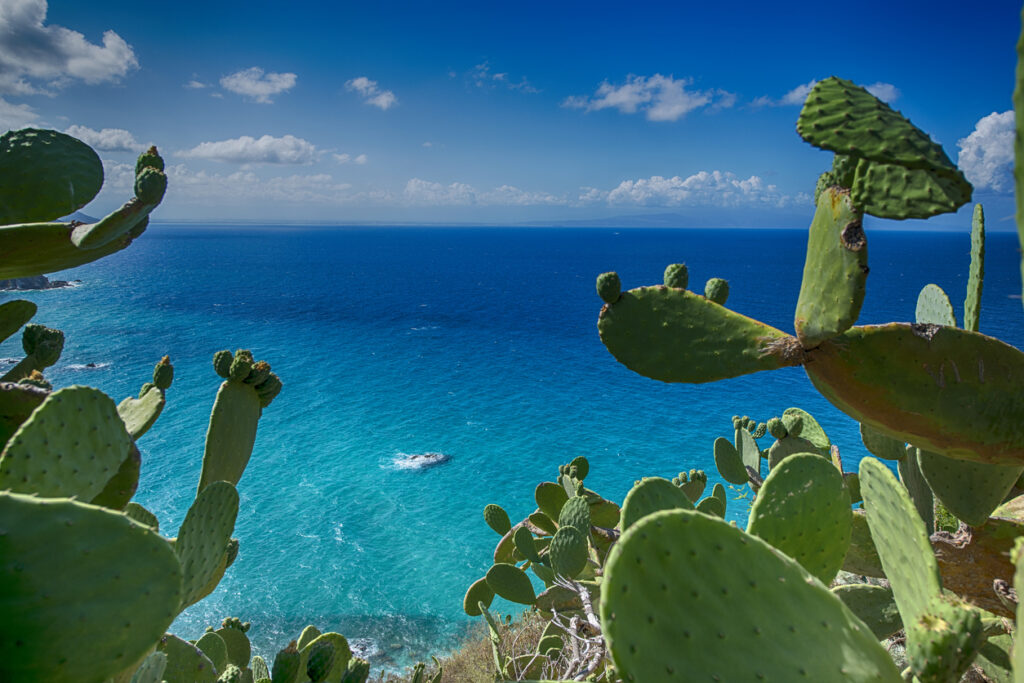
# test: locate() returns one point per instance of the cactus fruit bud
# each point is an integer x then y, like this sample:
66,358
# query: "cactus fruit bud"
149,159
321,659
232,674
286,665
609,287
36,379
777,429
677,276
240,366
737,422
269,390
759,431
259,374
358,671
222,363
717,290
163,373
150,186
232,554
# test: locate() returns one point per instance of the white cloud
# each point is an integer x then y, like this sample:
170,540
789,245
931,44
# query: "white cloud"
424,192
428,144
15,116
31,51
248,150
348,159
661,98
371,93
481,77
986,155
195,85
106,140
705,188
887,92
257,84
203,187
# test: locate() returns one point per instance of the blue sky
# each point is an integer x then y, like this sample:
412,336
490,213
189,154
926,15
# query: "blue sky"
499,113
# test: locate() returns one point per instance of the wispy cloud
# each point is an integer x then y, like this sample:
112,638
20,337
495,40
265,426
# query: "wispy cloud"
428,193
481,76
36,58
257,84
196,85
986,155
268,149
659,98
704,188
887,92
14,116
349,159
371,93
106,140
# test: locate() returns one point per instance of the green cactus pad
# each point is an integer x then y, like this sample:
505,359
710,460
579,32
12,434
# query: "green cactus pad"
711,505
893,191
901,540
693,483
238,648
231,434
17,401
142,515
505,551
523,540
748,450
650,495
186,663
215,649
976,275
43,347
920,493
953,392
729,462
609,287
497,519
286,664
803,509
119,490
14,314
880,445
576,513
479,592
835,271
802,424
739,595
70,446
550,498
568,552
674,335
861,556
844,118
308,635
934,307
604,513
874,605
45,175
259,668
970,490
787,446
943,642
542,522
511,583
139,414
151,670
319,660
203,538
70,613
676,276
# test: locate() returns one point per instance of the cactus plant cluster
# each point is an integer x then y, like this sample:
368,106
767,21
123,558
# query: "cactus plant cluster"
683,591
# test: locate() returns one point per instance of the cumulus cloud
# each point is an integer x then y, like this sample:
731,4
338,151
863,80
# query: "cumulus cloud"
15,116
38,58
106,140
986,155
268,149
887,92
349,159
257,84
424,192
705,188
660,98
371,93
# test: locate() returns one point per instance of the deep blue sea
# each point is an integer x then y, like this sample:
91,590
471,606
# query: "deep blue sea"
477,343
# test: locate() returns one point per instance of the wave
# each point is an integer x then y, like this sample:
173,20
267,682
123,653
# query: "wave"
88,366
419,461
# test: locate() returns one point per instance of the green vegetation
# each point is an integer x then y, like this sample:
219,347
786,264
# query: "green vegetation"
657,588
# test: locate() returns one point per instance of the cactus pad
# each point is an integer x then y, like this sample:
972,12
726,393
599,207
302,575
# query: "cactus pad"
186,663
803,509
70,613
893,191
674,335
231,434
943,642
882,446
479,592
122,486
861,556
550,498
874,605
970,490
953,392
651,495
497,519
14,314
976,275
576,513
215,649
835,271
729,462
934,307
237,643
917,488
203,538
738,595
151,670
72,445
511,583
139,414
523,540
45,175
568,552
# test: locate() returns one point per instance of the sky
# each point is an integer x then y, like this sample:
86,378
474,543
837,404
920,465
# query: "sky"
501,113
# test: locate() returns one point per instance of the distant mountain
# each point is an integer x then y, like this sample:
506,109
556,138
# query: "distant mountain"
80,217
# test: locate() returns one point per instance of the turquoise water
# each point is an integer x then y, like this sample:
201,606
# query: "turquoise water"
477,343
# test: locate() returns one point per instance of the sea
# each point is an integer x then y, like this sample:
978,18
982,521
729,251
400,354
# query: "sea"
479,344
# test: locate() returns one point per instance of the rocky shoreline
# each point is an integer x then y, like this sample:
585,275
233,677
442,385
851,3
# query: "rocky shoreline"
37,282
